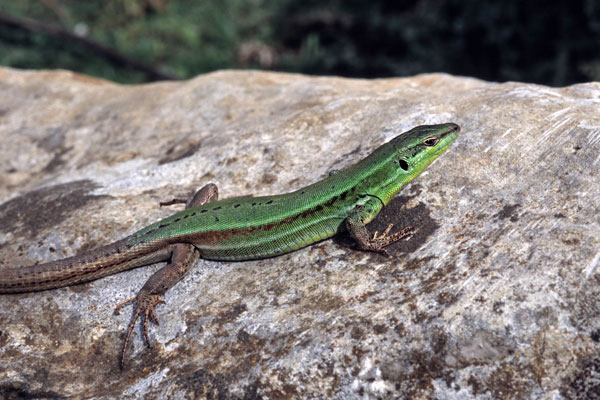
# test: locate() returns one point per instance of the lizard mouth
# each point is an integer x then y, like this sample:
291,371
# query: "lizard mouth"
452,128
447,137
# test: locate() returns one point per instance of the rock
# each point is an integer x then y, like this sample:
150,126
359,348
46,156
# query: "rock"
497,295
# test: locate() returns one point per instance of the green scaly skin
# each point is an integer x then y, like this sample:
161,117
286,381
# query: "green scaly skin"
251,227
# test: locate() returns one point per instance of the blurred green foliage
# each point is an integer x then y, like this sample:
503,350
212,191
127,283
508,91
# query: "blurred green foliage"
555,43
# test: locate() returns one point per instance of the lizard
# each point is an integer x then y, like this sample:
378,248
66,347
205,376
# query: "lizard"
246,228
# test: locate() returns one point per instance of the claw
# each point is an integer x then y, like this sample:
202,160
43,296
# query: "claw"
387,230
376,235
120,305
145,305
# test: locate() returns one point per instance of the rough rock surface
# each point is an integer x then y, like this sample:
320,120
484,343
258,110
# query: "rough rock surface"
496,296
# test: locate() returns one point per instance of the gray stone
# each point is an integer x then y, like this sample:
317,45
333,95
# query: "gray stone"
496,296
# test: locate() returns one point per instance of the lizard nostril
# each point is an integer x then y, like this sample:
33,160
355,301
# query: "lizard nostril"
403,164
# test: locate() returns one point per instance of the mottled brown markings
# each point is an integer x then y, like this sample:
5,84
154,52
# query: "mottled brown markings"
76,272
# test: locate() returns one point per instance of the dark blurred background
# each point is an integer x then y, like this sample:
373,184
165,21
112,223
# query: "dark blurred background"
555,43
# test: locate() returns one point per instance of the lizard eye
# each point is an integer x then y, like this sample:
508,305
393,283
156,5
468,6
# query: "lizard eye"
431,141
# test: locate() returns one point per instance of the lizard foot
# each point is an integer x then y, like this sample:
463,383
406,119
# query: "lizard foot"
381,240
145,305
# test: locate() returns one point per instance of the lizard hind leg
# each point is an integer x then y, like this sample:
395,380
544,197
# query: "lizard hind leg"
183,257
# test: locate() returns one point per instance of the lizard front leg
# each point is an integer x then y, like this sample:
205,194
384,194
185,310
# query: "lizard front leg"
183,257
356,226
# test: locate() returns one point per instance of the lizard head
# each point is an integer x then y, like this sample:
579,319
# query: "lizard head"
407,155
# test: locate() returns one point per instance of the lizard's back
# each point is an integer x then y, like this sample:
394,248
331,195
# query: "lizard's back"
257,227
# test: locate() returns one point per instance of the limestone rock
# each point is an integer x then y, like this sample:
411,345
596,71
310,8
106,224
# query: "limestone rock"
497,295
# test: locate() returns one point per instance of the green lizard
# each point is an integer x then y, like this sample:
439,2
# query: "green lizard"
250,227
